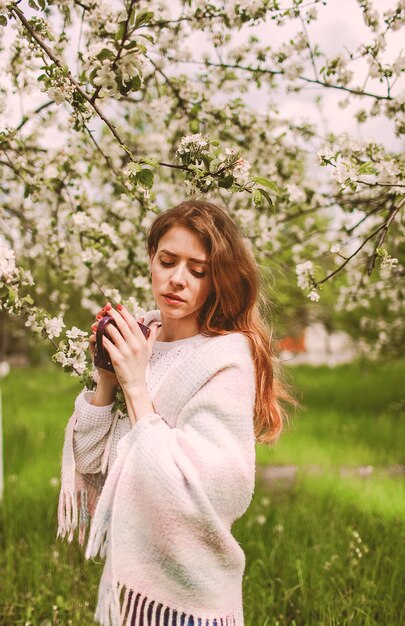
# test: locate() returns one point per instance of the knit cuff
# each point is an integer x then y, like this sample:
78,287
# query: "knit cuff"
90,416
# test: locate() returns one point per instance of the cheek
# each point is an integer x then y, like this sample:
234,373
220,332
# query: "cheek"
204,289
157,273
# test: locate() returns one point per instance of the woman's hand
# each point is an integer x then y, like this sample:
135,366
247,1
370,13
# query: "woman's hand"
129,349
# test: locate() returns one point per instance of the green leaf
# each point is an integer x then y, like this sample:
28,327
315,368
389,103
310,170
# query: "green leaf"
149,161
134,168
33,5
266,195
28,299
266,183
130,45
226,182
148,37
143,17
105,53
121,30
12,294
145,178
257,197
3,20
366,168
136,83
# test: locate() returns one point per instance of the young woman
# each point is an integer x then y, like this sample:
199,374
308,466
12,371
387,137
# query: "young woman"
165,482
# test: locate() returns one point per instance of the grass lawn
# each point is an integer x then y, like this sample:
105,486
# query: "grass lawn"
327,550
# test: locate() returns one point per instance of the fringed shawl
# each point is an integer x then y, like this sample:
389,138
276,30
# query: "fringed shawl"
163,514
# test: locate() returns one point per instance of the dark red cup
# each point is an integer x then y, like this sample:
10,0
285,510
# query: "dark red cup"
101,357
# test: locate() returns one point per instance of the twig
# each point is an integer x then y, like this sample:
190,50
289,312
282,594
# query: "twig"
393,211
351,256
26,118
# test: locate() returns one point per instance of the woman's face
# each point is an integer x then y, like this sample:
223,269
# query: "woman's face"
174,269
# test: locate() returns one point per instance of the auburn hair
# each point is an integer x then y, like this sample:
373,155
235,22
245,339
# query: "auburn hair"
234,302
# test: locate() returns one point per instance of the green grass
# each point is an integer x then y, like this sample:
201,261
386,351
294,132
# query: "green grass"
354,415
302,567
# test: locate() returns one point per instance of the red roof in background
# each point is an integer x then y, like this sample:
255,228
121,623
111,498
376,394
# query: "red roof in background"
292,344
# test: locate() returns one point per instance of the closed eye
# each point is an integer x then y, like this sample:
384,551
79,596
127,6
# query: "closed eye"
199,274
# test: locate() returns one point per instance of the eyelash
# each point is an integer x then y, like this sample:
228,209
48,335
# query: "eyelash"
196,273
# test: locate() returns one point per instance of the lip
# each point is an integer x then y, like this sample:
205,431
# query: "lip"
170,300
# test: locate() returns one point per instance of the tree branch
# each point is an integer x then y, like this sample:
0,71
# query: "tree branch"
384,226
18,13
258,70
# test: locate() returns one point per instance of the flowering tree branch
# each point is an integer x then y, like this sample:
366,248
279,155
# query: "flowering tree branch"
271,72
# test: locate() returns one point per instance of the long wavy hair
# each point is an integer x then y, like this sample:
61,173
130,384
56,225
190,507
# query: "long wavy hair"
234,303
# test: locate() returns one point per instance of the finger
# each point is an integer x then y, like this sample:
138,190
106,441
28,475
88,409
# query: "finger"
116,337
105,309
126,324
111,349
131,322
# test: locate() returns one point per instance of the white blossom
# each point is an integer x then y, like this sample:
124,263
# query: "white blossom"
75,333
105,79
305,274
7,263
53,326
3,6
325,153
241,171
59,92
399,65
344,172
296,194
142,282
191,143
91,255
33,323
314,295
388,170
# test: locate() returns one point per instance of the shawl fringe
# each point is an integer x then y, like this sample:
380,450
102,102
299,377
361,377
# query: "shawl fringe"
79,492
68,508
123,606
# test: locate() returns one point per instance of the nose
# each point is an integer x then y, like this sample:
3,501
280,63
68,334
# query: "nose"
178,276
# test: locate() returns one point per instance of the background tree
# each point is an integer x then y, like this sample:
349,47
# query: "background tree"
129,107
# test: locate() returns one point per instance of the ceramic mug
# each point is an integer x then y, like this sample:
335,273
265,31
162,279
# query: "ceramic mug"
101,357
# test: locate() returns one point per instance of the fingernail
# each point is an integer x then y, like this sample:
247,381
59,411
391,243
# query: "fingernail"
107,307
119,307
99,316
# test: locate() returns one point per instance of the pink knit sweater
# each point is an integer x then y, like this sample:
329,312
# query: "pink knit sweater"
162,512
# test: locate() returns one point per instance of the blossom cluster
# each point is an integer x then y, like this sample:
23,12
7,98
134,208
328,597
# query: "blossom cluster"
306,279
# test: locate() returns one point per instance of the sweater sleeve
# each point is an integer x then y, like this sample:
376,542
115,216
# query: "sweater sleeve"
90,432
